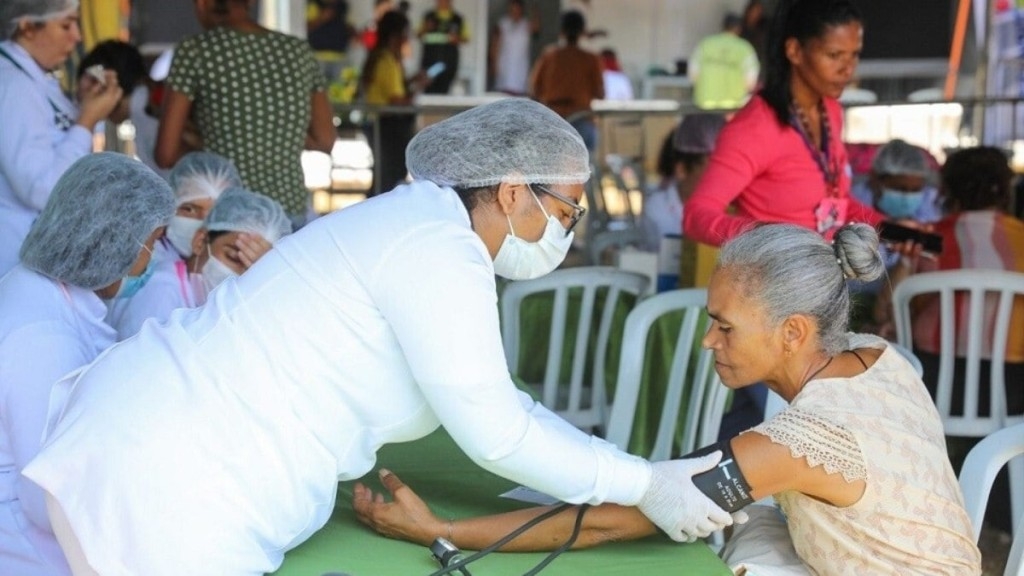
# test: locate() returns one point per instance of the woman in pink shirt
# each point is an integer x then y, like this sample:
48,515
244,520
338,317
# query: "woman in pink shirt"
781,158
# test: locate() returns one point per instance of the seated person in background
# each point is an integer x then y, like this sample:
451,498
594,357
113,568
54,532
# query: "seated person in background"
240,228
977,234
121,57
900,184
778,304
197,180
685,156
91,241
617,85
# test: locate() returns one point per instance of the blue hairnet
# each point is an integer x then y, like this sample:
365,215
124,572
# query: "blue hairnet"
513,140
12,11
99,214
202,175
239,210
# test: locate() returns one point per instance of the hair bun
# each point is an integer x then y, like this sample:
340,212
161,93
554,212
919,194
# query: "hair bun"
856,248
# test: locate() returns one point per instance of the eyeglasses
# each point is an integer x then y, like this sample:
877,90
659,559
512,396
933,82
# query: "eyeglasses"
577,210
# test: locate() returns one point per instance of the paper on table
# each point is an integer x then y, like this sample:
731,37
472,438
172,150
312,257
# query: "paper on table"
524,494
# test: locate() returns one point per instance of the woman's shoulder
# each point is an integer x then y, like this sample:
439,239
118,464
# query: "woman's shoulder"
755,116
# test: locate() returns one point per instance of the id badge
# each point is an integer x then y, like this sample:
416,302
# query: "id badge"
830,215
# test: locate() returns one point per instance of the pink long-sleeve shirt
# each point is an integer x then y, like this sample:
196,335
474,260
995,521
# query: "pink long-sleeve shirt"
766,170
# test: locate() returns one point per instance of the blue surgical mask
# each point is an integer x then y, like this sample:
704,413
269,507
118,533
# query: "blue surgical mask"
897,204
130,285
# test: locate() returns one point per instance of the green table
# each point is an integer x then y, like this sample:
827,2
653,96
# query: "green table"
454,486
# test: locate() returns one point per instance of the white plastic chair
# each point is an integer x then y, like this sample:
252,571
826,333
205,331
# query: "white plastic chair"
991,294
979,471
582,403
706,397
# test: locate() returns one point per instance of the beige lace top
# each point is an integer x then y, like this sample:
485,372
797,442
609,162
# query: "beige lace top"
882,427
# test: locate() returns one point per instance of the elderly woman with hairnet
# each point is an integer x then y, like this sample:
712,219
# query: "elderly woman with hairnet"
91,241
240,228
43,131
373,325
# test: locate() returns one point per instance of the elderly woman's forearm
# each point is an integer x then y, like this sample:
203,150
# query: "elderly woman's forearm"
601,524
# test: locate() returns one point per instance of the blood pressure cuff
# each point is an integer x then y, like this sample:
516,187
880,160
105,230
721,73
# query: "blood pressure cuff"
724,483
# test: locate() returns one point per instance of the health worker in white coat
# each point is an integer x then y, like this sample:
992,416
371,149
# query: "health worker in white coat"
90,242
214,442
43,132
241,227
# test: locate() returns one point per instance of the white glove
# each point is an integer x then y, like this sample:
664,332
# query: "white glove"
679,508
740,517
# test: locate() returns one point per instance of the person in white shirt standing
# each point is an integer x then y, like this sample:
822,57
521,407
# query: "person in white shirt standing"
510,47
213,443
43,131
92,241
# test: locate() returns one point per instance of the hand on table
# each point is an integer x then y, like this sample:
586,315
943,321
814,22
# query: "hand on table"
250,248
674,504
407,517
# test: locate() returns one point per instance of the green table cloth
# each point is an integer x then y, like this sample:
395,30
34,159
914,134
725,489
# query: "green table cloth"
455,487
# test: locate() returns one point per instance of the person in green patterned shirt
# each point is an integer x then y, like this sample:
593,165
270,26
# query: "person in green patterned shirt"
256,96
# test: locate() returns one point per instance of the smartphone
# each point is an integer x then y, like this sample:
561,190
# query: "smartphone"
892,232
435,69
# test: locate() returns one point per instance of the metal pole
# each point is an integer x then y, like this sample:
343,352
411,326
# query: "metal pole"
981,76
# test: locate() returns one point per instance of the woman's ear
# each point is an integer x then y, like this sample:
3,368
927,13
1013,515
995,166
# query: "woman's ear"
507,195
797,331
794,52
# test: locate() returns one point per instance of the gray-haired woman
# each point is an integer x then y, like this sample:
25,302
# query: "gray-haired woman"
857,461
92,241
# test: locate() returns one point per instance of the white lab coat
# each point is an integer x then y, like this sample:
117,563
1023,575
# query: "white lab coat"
168,289
34,150
46,330
213,443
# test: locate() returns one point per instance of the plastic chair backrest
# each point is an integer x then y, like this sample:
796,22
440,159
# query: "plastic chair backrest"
582,403
975,285
606,239
706,397
980,467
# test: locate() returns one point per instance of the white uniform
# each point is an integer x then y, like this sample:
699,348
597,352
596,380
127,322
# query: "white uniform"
168,289
513,66
213,443
46,330
39,140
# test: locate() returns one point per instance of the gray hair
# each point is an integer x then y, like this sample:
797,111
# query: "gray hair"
36,11
99,214
792,270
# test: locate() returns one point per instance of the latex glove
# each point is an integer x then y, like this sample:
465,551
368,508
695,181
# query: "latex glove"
674,504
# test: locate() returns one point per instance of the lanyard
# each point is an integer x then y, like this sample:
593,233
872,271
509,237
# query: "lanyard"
61,119
822,156
186,291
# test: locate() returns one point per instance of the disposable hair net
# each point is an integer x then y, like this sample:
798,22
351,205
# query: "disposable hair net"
96,221
12,11
202,175
239,210
514,140
697,133
900,158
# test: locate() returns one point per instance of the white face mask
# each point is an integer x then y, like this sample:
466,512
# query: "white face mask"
518,259
180,233
214,272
